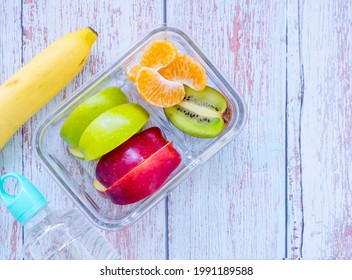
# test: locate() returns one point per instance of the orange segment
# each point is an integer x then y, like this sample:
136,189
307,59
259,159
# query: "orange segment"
132,72
186,70
159,54
158,91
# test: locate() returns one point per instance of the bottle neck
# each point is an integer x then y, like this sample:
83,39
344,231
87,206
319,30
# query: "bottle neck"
38,217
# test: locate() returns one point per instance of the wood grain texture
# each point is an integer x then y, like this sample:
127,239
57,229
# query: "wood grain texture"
234,206
326,135
119,25
295,90
280,189
11,154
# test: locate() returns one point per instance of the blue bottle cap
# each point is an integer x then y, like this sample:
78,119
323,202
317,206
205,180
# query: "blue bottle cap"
26,203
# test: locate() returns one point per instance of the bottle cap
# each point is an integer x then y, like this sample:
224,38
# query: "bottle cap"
26,203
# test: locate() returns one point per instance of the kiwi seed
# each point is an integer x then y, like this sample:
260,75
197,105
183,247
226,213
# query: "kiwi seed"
201,114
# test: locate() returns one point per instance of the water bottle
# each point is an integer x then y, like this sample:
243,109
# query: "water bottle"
63,235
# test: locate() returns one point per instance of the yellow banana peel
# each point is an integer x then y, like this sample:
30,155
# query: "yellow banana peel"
38,81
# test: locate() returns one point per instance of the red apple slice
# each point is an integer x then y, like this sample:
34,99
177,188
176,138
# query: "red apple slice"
145,178
117,163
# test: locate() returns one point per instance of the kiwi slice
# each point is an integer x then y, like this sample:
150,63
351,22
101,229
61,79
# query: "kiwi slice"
202,114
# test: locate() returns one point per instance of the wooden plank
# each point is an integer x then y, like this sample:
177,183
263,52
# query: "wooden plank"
118,25
234,206
327,129
11,154
295,90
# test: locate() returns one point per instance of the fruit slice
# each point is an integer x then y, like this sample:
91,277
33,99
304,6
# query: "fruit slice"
132,72
144,179
156,90
111,129
158,54
115,164
85,113
186,70
202,114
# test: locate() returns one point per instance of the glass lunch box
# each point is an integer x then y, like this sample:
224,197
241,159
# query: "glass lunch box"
76,176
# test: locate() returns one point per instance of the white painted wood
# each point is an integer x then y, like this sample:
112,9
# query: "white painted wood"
327,129
234,206
295,85
11,154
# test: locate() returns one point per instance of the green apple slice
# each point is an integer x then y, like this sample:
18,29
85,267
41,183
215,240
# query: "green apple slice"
85,113
111,129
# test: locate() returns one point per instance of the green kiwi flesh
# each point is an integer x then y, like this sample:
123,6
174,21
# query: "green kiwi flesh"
202,114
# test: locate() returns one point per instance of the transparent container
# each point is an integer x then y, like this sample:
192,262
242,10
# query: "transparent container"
64,235
76,176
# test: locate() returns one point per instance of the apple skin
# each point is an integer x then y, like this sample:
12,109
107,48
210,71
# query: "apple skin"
85,113
144,179
111,129
136,168
115,164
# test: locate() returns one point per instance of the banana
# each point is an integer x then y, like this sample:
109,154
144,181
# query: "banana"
38,81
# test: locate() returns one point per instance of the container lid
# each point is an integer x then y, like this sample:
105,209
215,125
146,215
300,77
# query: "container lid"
26,203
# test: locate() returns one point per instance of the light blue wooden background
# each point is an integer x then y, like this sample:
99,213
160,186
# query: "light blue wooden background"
282,189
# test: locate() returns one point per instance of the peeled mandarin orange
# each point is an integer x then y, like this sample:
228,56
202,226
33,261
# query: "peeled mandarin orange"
186,70
158,54
132,72
158,91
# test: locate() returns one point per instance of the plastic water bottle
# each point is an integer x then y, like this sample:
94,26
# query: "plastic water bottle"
50,234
